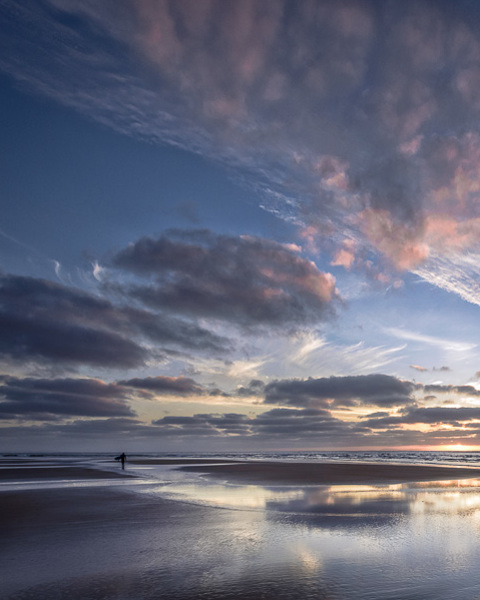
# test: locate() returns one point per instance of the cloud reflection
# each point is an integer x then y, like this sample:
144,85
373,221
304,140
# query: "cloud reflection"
349,506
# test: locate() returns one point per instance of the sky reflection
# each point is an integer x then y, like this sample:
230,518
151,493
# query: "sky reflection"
392,542
440,497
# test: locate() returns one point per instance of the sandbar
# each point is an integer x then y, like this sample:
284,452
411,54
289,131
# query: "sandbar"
257,472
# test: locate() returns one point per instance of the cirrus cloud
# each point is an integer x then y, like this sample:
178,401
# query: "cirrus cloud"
380,152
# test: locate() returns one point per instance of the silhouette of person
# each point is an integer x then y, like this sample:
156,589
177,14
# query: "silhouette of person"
123,458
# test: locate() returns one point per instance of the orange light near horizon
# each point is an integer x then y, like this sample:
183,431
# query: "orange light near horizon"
458,448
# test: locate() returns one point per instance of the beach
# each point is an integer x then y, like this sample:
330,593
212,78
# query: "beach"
173,529
330,473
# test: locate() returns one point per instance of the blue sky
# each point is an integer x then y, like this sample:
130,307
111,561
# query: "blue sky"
239,225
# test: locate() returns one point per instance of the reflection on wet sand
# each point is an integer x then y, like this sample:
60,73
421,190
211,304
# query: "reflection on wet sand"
214,541
454,496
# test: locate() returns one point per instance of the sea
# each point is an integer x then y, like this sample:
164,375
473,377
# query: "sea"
414,457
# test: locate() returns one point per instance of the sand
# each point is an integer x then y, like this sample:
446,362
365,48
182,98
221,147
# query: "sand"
179,461
58,473
332,473
108,542
88,542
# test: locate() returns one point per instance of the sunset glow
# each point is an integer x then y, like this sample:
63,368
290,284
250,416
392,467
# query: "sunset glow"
232,225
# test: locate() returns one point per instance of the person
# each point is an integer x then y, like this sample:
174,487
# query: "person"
123,458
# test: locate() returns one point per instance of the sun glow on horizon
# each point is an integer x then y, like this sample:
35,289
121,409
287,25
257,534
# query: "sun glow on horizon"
458,448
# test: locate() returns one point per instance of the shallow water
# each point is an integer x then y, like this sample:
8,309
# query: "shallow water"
222,541
404,541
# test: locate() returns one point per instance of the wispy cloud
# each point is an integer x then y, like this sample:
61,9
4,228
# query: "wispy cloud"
405,334
457,273
381,153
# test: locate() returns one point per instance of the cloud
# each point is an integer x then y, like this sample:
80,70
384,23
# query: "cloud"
405,334
170,331
419,368
42,321
431,416
468,390
380,152
290,423
254,388
329,392
34,399
162,385
454,272
287,423
245,280
105,412
204,425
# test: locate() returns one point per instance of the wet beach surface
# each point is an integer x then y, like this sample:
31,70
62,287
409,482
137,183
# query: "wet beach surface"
180,535
330,473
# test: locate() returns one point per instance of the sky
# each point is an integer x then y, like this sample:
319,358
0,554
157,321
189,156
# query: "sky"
233,225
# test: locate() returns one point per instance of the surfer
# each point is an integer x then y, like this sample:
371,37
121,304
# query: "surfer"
122,458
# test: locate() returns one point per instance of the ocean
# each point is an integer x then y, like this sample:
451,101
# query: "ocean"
417,457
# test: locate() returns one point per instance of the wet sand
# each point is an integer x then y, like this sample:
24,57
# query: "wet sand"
180,461
109,542
332,473
55,473
93,542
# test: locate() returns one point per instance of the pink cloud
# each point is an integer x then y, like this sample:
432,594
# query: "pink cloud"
419,368
333,172
398,242
412,146
443,232
345,257
258,82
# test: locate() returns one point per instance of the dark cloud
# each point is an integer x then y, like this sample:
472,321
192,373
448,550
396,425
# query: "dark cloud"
162,385
41,320
377,415
281,423
328,392
254,388
460,390
293,423
244,280
276,425
171,331
42,398
271,429
205,424
312,419
431,416
97,428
